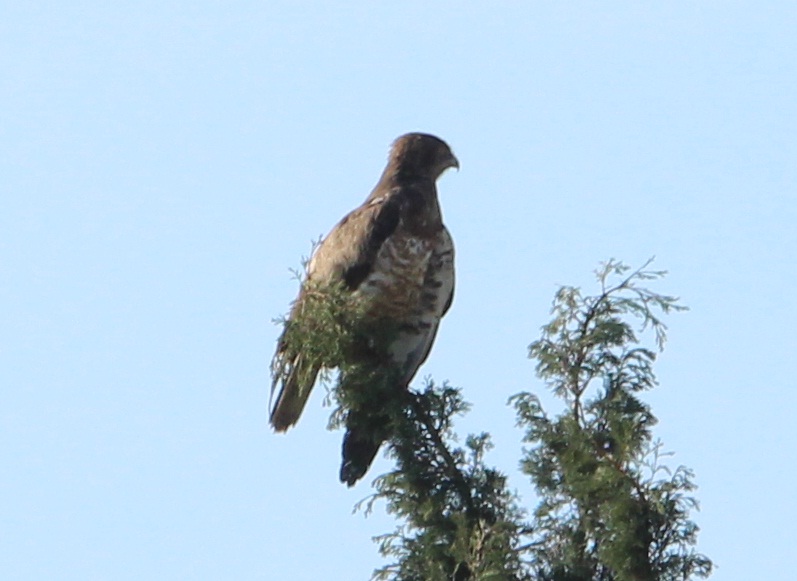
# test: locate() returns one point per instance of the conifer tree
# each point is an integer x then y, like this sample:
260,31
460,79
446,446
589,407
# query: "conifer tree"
608,508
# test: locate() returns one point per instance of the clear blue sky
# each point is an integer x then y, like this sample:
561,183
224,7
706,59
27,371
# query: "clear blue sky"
164,164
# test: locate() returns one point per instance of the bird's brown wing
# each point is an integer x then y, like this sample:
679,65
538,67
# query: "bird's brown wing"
346,255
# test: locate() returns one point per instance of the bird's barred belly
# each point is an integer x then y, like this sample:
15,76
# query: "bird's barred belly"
394,288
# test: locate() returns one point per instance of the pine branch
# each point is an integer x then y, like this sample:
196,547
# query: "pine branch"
597,517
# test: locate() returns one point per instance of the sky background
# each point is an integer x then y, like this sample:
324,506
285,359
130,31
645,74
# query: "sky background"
164,164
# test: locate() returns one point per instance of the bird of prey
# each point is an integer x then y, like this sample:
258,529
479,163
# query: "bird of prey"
394,253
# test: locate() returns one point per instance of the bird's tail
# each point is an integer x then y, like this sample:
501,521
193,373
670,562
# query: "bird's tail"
360,445
376,399
297,378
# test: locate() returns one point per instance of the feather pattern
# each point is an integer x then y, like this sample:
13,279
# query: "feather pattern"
396,256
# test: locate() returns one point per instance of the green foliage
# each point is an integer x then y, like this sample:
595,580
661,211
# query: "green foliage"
330,329
322,328
459,521
608,509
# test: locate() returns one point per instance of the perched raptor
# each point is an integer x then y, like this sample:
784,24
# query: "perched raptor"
394,253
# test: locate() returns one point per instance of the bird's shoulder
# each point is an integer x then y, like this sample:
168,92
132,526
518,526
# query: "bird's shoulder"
350,248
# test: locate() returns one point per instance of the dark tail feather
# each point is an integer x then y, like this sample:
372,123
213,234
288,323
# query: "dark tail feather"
370,422
360,446
297,382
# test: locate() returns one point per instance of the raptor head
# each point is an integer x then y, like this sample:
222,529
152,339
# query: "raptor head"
421,154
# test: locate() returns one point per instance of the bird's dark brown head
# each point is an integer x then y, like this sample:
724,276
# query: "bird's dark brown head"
421,155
